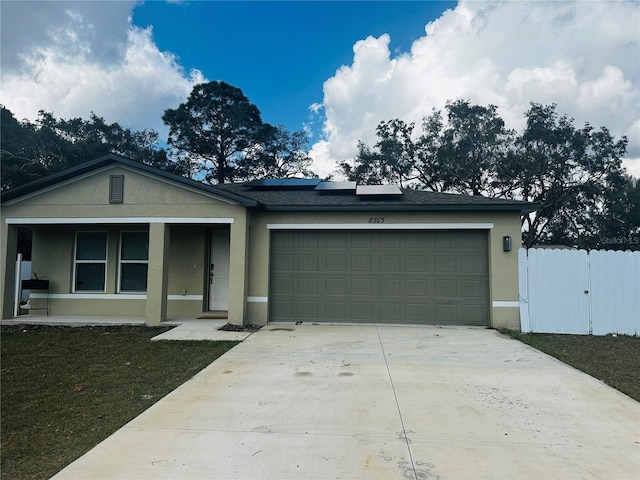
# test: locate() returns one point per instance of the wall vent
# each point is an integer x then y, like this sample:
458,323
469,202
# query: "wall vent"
116,188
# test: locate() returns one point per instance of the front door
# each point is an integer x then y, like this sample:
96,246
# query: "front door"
219,270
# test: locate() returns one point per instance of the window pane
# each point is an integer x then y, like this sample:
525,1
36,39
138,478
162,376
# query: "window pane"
134,277
91,246
135,246
90,277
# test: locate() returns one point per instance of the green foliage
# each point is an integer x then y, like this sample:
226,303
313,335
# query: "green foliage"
215,127
574,174
277,153
34,150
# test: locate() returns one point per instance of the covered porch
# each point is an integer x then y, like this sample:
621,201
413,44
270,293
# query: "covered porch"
145,270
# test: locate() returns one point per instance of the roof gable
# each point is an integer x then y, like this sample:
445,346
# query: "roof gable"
92,167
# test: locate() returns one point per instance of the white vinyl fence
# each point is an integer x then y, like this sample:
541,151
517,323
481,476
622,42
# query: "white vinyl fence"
579,292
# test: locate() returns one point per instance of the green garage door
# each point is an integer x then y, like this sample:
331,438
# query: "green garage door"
414,276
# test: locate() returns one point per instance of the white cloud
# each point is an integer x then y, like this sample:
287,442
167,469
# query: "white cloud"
88,58
584,56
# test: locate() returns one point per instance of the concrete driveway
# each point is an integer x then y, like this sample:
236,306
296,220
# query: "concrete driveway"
367,402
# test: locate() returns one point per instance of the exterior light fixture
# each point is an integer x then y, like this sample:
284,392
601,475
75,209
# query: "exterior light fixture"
506,244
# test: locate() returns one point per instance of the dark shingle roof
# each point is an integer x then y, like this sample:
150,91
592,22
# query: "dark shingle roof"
312,200
293,199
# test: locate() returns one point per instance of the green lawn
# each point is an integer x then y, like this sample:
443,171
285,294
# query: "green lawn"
614,360
65,389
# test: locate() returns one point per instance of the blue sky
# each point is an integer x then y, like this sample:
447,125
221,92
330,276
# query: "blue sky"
280,53
357,63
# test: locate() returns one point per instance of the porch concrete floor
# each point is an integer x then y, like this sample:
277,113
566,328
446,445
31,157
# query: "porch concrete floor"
374,402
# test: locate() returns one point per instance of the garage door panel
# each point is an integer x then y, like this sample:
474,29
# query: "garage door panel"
336,263
445,264
473,289
389,286
446,314
307,240
416,263
473,264
390,264
446,288
416,240
308,286
284,285
336,286
416,312
361,311
426,277
336,311
391,240
284,263
337,240
415,287
390,312
361,240
473,314
308,263
361,286
283,309
307,310
361,263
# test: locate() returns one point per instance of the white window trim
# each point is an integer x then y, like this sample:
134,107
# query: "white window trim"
76,261
121,262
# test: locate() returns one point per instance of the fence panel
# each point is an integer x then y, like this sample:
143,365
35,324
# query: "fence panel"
572,291
615,292
557,282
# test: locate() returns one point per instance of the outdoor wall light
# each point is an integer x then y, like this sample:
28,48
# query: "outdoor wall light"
506,244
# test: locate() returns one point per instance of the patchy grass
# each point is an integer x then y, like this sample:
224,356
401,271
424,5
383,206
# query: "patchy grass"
65,389
614,360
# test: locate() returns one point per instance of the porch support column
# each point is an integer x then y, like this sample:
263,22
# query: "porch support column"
9,242
238,267
158,274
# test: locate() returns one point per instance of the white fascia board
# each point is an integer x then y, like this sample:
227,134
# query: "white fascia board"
379,226
111,220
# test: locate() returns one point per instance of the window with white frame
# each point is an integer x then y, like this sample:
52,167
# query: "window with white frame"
134,261
90,265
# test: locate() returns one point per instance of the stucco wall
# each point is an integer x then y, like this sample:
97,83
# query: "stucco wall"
145,198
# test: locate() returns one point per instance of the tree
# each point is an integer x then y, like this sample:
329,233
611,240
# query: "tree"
34,150
461,155
215,126
572,173
18,154
472,147
575,174
276,153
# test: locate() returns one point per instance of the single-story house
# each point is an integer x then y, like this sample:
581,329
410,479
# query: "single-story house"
115,237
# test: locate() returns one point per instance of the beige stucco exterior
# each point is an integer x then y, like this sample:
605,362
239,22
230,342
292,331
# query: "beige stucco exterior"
179,220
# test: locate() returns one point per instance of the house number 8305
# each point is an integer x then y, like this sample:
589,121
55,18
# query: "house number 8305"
376,220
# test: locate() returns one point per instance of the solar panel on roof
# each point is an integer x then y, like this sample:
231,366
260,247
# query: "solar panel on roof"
335,186
300,182
378,190
267,182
